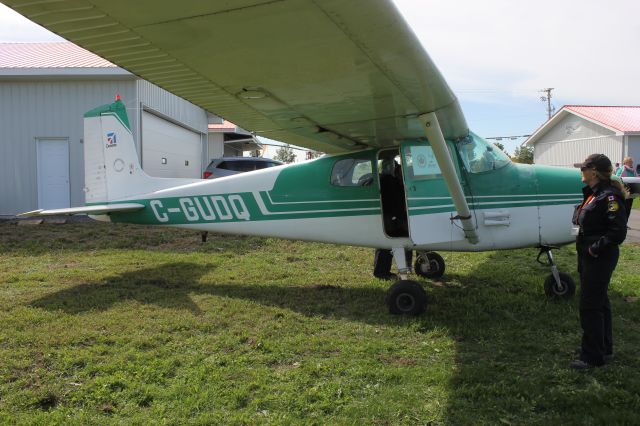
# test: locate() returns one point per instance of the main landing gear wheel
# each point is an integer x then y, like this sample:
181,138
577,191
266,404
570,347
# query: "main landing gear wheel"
406,297
429,265
563,291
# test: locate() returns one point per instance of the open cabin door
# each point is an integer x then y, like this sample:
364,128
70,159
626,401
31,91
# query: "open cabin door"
429,204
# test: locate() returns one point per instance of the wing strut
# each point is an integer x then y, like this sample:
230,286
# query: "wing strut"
436,139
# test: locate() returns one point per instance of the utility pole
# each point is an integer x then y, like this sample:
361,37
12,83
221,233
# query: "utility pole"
550,108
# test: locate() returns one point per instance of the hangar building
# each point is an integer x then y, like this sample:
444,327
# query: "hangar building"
576,131
45,90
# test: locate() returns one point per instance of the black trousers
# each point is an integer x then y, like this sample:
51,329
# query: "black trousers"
382,262
628,203
595,308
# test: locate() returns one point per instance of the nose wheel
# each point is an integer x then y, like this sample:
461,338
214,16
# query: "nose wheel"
558,285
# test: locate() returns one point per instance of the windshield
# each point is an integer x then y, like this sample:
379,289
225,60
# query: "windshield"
480,156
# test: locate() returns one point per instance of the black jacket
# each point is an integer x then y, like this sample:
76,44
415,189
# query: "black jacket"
603,220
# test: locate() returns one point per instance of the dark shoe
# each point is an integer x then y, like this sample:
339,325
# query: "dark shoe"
608,358
579,364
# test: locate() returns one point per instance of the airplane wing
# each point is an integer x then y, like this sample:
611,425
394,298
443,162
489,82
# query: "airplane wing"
330,75
90,210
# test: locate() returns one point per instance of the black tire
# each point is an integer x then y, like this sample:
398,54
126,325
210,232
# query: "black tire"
429,265
565,293
406,298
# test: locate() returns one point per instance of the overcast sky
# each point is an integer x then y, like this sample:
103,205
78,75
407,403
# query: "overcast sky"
497,54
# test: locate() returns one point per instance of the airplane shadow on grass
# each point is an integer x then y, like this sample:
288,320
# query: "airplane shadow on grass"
461,300
512,344
172,286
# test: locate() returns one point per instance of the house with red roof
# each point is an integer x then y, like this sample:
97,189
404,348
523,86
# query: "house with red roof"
576,131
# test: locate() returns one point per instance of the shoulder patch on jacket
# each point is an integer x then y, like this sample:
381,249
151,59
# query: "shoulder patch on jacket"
613,206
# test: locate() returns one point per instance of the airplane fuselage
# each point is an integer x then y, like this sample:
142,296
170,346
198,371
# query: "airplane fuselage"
513,205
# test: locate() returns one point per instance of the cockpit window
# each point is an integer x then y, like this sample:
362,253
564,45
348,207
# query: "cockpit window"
480,156
352,172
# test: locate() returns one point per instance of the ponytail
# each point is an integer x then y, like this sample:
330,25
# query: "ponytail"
606,177
617,184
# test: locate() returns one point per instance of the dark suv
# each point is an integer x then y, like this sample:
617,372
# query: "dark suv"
227,166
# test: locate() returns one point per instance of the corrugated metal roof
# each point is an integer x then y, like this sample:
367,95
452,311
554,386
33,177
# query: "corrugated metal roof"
49,55
621,118
226,126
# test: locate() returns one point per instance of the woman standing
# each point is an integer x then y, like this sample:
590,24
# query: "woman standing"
602,223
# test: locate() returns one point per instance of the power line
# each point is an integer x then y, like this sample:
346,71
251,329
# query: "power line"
513,138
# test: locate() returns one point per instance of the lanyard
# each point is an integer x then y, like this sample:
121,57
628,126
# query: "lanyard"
587,201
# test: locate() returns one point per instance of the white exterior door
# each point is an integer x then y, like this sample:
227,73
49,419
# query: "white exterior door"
53,173
169,150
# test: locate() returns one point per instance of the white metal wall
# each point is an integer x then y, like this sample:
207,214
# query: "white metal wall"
32,110
567,153
216,147
572,139
177,109
574,127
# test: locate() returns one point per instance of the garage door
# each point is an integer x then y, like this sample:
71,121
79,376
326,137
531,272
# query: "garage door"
169,150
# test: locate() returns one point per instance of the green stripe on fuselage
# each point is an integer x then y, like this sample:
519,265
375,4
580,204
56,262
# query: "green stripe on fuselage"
235,207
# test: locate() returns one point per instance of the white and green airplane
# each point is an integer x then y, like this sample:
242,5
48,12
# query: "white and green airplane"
347,78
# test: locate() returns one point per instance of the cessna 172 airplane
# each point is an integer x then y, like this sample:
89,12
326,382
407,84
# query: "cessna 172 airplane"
348,78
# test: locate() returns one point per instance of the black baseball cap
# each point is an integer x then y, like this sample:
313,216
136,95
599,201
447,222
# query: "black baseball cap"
600,162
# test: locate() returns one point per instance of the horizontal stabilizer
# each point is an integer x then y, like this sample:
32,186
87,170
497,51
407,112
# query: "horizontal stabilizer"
91,210
633,184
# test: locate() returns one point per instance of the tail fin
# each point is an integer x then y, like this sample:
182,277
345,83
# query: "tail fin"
112,168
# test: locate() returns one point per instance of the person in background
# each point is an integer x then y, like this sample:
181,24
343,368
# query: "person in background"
602,228
627,170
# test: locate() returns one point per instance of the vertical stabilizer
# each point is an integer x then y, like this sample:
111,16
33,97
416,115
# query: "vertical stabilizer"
112,167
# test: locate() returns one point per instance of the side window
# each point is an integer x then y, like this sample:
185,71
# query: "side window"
240,166
352,172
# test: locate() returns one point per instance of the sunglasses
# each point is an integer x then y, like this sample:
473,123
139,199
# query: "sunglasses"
583,168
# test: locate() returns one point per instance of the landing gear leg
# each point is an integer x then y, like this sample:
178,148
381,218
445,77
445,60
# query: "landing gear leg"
401,262
405,297
558,285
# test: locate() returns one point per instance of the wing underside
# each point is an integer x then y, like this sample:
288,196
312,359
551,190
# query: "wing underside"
330,75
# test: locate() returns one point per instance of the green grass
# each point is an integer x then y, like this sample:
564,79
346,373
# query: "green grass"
106,324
